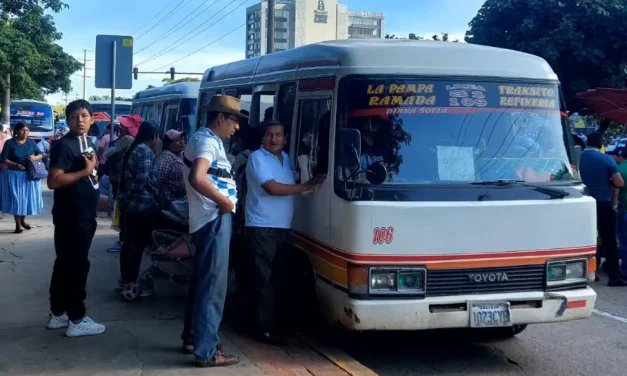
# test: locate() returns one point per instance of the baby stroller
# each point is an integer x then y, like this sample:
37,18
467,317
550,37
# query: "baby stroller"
172,251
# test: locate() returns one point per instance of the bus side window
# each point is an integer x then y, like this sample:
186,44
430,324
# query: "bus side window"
312,139
285,109
205,97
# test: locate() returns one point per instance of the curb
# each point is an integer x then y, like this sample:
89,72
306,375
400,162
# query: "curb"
340,359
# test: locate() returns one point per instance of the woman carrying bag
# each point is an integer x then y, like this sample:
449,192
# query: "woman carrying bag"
20,188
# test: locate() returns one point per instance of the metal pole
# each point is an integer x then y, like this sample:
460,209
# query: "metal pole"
84,73
270,34
114,68
113,71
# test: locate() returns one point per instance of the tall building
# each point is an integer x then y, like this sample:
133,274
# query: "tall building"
301,22
365,25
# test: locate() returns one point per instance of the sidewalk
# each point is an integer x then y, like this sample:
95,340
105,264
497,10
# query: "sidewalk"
142,338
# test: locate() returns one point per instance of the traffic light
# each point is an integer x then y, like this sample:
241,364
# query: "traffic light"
172,73
135,72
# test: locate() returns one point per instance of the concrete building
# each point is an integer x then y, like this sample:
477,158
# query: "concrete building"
365,25
301,22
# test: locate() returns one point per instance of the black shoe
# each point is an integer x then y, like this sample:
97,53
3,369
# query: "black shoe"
616,282
596,278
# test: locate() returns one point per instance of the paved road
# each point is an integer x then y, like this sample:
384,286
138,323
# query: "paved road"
596,346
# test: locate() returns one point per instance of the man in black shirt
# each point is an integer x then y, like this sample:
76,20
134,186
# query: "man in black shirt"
72,176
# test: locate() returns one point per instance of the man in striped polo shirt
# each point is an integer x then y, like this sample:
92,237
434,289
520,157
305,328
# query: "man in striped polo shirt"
212,196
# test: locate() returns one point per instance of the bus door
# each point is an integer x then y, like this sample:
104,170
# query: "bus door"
310,155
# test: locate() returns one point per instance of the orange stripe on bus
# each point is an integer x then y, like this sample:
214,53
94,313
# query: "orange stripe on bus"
340,257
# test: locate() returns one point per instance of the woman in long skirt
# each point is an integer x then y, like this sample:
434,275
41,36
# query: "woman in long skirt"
19,195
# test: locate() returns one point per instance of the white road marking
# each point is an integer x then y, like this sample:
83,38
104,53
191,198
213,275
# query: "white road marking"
611,316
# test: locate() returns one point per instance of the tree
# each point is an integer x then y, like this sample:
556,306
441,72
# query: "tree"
583,40
443,37
33,65
96,98
167,81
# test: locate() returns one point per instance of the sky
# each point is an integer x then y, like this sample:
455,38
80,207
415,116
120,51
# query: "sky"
212,31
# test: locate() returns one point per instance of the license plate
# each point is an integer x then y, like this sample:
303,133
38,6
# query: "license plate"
490,315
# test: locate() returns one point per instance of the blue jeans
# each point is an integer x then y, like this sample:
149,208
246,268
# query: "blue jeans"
207,290
621,230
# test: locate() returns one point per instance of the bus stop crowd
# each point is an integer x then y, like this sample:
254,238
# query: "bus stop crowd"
146,171
604,175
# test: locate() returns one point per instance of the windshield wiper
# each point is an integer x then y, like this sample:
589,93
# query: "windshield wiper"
551,192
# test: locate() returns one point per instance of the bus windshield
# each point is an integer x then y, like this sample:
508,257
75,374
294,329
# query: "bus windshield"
458,131
188,113
38,116
120,109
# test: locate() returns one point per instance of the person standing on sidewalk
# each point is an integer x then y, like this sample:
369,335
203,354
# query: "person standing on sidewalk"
269,210
138,200
114,154
72,176
600,173
620,156
212,197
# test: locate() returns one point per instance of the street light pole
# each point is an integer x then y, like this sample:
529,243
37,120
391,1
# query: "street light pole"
270,34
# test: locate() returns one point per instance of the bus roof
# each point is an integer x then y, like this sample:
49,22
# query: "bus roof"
381,56
178,90
117,103
27,101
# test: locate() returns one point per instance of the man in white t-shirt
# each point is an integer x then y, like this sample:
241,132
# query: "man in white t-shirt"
269,211
212,196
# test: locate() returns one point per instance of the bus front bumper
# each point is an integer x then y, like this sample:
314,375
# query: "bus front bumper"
451,311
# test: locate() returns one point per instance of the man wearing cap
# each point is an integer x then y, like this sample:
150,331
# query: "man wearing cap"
600,173
212,196
170,169
128,131
620,156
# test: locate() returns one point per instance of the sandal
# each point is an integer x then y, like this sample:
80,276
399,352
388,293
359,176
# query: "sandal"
130,292
188,347
218,360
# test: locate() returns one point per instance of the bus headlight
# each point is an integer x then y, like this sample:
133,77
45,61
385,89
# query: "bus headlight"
404,281
566,272
382,280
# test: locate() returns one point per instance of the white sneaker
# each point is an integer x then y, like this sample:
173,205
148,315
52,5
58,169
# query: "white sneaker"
58,322
87,327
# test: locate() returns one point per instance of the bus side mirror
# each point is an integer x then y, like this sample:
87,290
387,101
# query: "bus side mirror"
376,174
348,147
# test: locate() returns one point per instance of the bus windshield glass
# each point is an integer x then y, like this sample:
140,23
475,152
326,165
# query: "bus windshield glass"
38,117
188,113
458,131
120,109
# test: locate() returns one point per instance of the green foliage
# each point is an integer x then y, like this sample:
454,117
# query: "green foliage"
167,81
95,98
19,7
443,37
28,49
583,40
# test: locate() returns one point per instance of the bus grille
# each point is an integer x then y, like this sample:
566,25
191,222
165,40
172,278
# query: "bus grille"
490,280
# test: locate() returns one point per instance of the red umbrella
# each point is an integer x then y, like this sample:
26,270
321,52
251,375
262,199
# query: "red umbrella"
609,103
101,116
